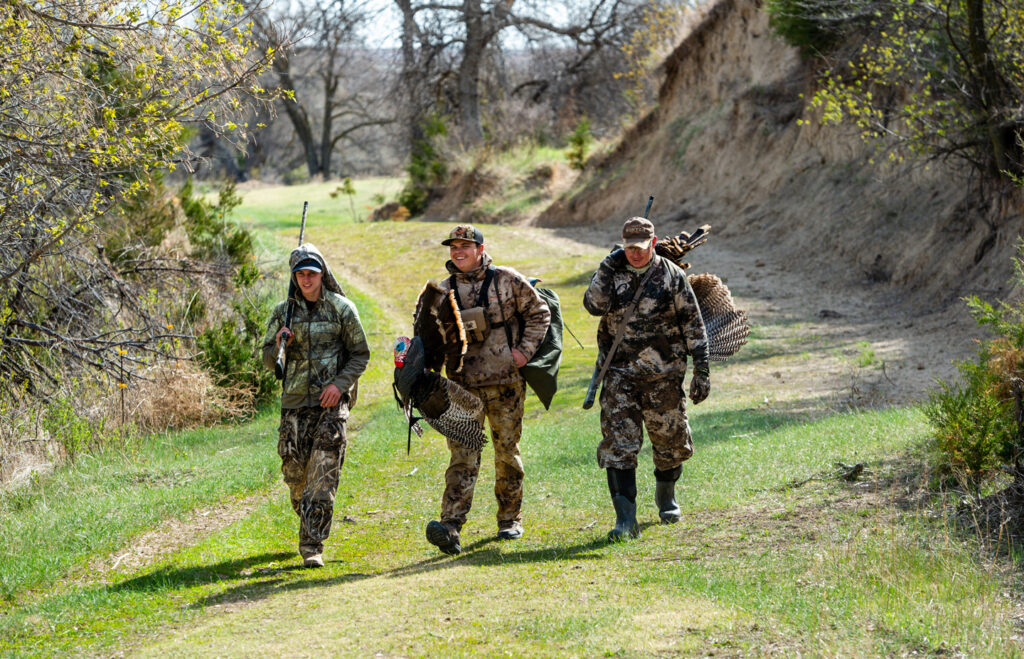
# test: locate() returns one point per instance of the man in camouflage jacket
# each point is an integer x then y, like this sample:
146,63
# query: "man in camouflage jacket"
326,353
644,383
517,320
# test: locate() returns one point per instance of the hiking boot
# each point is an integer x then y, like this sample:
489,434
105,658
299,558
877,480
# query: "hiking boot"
665,494
444,538
622,486
512,531
313,560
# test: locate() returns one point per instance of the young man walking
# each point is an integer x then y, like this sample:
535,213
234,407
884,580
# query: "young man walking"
509,323
326,352
644,381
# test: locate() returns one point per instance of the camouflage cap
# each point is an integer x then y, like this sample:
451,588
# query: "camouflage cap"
637,232
465,232
308,264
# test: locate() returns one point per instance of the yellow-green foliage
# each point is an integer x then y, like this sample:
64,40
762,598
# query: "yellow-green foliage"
645,47
94,100
936,78
92,92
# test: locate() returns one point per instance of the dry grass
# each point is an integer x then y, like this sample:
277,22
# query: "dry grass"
177,396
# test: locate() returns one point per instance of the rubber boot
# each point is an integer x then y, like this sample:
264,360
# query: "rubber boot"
622,486
665,494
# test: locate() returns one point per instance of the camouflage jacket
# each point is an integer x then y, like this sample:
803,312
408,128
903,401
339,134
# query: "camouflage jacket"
329,345
490,362
665,327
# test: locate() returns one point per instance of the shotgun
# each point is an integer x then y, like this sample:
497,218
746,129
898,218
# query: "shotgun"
601,369
279,365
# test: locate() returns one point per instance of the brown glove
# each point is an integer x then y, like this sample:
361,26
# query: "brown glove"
700,387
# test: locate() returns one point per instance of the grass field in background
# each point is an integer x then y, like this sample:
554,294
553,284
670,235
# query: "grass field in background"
774,555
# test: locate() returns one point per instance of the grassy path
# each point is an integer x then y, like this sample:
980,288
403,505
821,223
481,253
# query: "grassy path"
774,555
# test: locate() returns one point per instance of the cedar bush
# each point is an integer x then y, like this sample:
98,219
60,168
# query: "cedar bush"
975,421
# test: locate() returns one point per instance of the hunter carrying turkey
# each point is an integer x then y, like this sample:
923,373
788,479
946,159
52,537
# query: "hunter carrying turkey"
506,320
644,384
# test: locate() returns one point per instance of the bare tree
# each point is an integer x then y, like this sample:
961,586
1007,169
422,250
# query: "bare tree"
331,82
469,31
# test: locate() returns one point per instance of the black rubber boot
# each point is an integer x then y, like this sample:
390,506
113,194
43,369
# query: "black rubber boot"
665,494
622,486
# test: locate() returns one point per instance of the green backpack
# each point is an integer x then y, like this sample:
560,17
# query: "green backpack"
541,372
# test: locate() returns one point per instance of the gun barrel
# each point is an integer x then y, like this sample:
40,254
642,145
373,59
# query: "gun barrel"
588,402
279,364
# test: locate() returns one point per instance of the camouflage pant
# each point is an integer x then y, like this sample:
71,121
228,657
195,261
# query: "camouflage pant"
312,446
503,408
627,406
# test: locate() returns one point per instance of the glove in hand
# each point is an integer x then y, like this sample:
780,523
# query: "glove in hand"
700,387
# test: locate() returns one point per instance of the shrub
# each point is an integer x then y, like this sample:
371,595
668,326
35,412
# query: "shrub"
579,143
296,176
970,424
71,430
232,352
212,234
813,26
426,168
975,422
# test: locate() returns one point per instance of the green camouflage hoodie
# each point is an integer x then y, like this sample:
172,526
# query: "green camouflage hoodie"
329,345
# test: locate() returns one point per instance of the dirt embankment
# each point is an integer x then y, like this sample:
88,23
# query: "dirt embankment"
725,147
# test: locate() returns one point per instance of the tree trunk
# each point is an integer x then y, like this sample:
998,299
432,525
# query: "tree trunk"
468,80
989,87
326,126
298,116
411,78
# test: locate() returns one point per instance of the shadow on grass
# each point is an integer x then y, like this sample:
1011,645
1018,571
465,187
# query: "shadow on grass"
171,578
726,425
258,587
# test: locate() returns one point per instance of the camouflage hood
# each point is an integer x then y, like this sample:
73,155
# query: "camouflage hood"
309,251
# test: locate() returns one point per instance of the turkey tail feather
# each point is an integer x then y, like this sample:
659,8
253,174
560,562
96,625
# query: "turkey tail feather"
726,326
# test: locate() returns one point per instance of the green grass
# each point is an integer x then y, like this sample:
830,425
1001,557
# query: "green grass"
277,208
774,555
102,501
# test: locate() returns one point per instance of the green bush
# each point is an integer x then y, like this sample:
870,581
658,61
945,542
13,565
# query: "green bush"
970,425
232,351
211,233
813,26
296,176
579,143
975,421
63,424
426,168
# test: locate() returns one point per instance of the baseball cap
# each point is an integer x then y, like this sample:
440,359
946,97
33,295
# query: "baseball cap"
637,231
464,232
308,264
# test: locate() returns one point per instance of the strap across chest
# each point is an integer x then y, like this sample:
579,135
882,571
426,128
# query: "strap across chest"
481,299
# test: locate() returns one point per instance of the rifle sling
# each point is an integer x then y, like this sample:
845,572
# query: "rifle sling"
626,317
